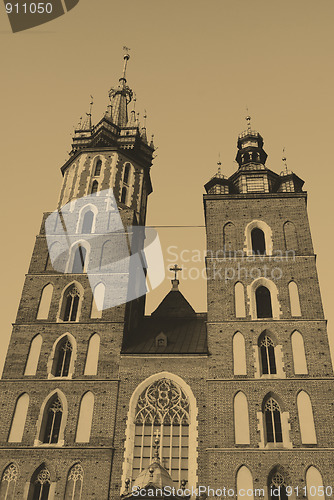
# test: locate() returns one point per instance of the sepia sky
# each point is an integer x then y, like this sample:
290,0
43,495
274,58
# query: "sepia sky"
195,66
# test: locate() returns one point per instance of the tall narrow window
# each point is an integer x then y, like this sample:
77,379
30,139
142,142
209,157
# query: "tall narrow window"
62,358
124,195
92,355
19,419
87,222
53,415
241,419
258,241
239,299
85,418
314,484
290,236
263,302
74,483
306,420
273,423
79,260
267,355
53,253
229,238
162,407
245,484
70,304
126,173
40,484
294,299
98,166
298,353
239,354
8,482
45,302
95,187
97,302
33,356
277,484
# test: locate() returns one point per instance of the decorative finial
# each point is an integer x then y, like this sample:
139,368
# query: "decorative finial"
156,446
126,57
285,162
175,269
248,120
145,116
219,165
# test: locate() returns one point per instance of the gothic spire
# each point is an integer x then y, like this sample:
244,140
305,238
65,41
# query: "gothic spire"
121,95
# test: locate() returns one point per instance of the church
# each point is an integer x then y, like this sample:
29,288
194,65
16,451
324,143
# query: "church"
100,401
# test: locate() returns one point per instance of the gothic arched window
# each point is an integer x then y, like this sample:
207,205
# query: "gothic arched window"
95,187
74,483
162,407
277,483
98,301
85,418
314,484
53,414
40,484
239,300
263,302
239,354
62,358
298,353
8,482
78,265
33,356
92,358
124,195
98,166
126,173
241,419
294,299
267,355
45,302
87,222
19,419
290,236
70,305
306,420
258,241
245,484
229,237
273,421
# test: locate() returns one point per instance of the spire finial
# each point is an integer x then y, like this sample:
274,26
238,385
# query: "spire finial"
219,165
248,119
126,57
285,162
157,446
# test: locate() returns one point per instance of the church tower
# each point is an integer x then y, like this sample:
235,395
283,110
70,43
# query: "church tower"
270,382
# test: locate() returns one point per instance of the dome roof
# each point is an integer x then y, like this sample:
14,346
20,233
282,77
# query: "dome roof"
155,475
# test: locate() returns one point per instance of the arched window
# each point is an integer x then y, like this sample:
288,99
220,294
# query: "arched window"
258,241
273,421
70,304
277,483
98,301
8,482
290,236
78,265
98,166
53,253
33,356
239,299
241,419
263,302
92,355
62,358
229,237
239,354
294,299
245,483
107,255
19,419
306,420
74,483
40,484
53,414
85,418
162,407
314,484
87,222
95,187
45,302
124,195
267,355
126,173
298,353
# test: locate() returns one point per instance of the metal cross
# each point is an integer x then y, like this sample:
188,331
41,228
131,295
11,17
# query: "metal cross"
176,269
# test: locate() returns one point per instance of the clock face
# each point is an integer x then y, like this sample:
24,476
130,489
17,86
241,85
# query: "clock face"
250,143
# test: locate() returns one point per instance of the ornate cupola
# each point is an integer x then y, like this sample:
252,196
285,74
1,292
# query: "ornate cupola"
250,147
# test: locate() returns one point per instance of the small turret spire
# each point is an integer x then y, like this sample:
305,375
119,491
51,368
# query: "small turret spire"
284,160
121,96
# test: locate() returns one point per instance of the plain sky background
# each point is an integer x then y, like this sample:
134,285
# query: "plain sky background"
195,67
